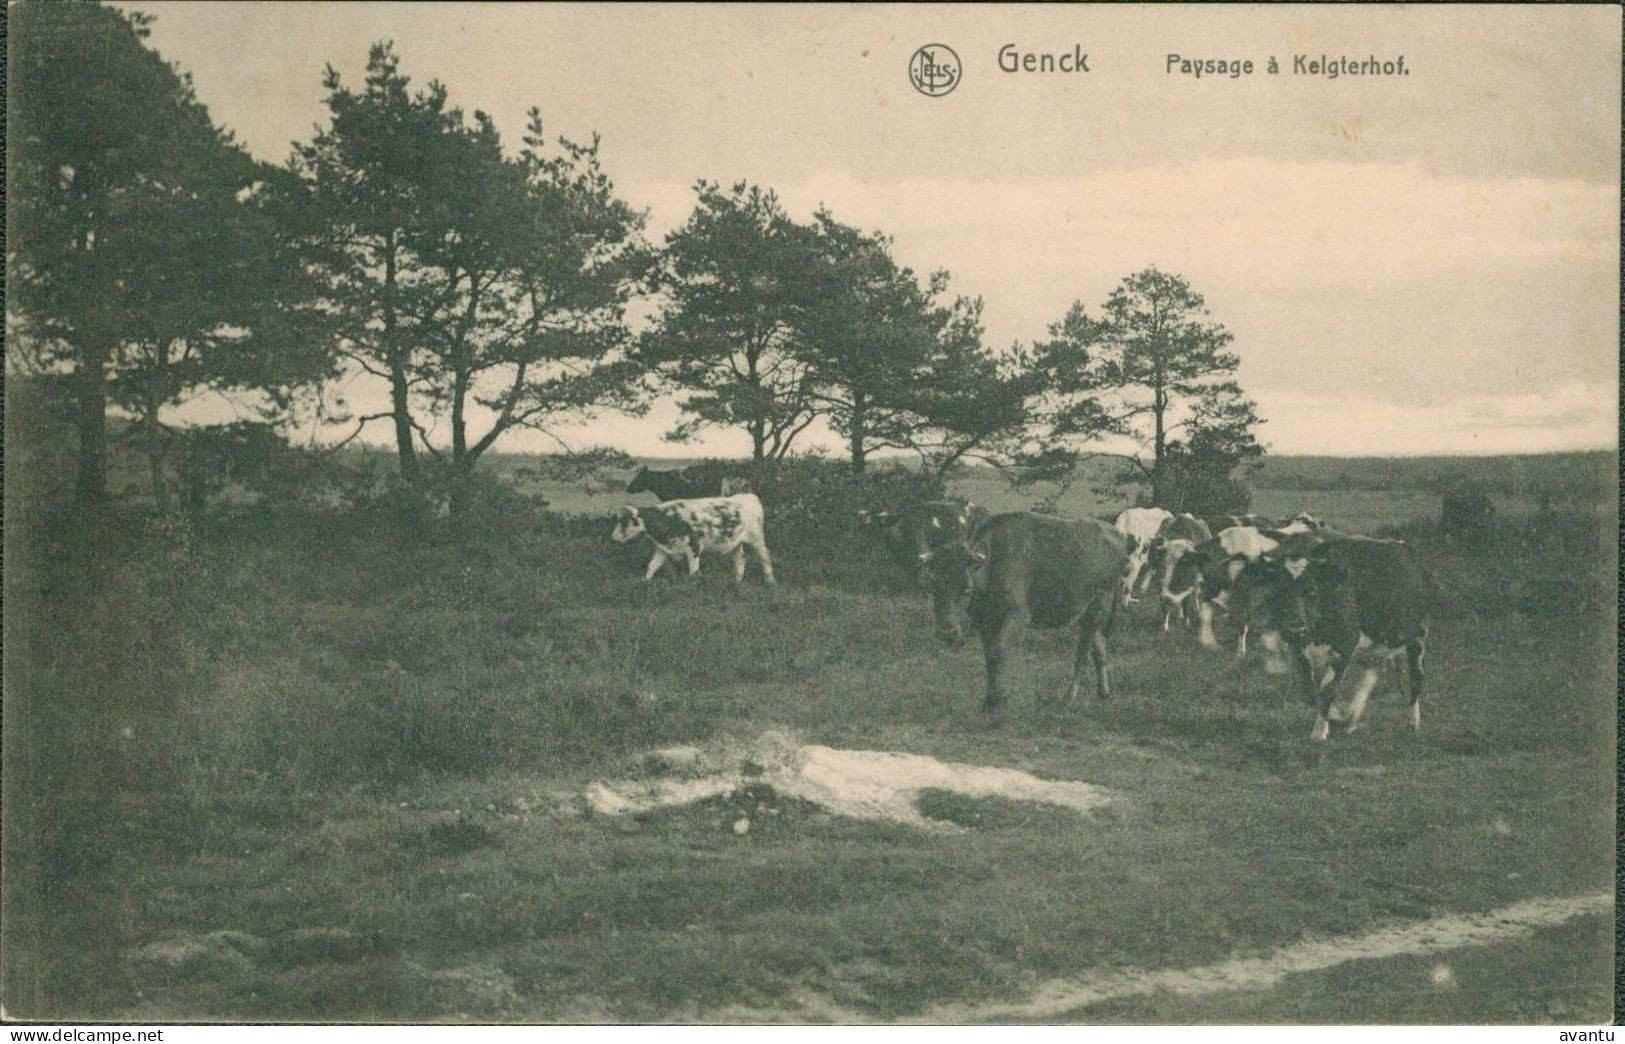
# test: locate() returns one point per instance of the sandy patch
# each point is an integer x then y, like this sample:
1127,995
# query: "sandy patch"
863,784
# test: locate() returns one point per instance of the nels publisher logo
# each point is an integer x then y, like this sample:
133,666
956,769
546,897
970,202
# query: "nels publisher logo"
934,70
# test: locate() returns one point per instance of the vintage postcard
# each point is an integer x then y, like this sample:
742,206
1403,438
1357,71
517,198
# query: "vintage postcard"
811,514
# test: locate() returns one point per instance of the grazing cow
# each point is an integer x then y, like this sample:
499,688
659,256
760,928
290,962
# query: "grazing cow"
1178,536
1216,571
911,533
689,483
1139,527
1343,596
1053,571
686,528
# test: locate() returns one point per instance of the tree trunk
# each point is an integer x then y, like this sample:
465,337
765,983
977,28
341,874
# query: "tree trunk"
462,472
156,449
1158,406
401,410
398,401
462,465
90,426
859,434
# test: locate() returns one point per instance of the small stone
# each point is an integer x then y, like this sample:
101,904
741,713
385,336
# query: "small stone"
742,826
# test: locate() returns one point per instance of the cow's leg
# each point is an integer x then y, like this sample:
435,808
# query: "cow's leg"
1136,562
655,563
1362,693
1097,652
1311,685
1274,662
693,560
1241,642
739,563
760,549
1415,649
1328,692
1145,574
1204,625
1080,659
994,625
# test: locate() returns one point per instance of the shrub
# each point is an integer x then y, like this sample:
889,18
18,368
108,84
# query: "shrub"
1465,509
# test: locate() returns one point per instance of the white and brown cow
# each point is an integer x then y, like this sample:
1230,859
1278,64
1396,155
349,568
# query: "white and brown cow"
688,528
1139,527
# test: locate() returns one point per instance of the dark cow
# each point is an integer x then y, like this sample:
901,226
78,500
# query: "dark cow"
683,529
1214,576
1053,571
689,483
911,533
1343,596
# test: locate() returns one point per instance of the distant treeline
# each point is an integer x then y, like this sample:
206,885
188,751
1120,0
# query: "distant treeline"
1561,476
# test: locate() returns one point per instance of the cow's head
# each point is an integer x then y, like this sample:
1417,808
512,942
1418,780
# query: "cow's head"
640,481
1164,562
1203,561
628,525
1287,591
952,572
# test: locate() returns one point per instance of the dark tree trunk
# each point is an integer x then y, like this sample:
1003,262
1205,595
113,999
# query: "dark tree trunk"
859,432
1156,454
90,427
400,407
462,464
157,386
401,410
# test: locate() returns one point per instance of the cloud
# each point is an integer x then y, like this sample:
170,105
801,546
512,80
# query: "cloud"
1571,417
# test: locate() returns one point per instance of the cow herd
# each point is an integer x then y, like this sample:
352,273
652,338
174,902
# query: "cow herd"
1327,596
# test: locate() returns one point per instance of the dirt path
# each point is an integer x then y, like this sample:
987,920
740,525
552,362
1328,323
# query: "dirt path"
1438,935
1060,997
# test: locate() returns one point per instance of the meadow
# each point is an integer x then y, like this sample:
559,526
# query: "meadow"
314,765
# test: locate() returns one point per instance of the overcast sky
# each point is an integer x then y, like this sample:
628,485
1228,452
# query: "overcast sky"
1409,264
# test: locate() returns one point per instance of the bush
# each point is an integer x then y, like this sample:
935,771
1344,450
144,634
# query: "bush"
1465,509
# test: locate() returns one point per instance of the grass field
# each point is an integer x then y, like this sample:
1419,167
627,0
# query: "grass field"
304,768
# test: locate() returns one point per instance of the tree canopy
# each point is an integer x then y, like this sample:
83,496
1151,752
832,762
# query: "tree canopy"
1150,367
461,276
140,261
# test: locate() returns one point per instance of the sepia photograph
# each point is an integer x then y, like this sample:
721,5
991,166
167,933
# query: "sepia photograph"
811,514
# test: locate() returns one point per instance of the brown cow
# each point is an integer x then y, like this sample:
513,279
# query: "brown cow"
1053,571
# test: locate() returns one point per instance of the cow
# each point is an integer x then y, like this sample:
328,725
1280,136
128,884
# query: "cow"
1139,526
1053,571
687,528
910,533
689,483
1178,536
1343,596
1214,572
